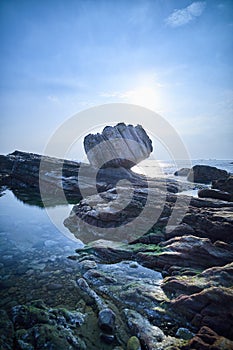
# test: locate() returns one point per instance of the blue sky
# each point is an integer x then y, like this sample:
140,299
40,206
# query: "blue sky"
175,57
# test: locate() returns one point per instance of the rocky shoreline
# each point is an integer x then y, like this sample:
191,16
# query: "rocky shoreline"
169,288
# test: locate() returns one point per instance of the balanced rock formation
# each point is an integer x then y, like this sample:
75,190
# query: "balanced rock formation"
118,146
206,174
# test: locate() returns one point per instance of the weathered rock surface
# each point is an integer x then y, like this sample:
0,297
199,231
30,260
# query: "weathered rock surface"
206,174
29,175
182,172
216,194
118,207
195,255
224,185
202,299
118,146
39,327
207,339
200,309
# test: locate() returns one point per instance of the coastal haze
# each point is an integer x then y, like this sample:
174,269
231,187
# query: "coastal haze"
172,57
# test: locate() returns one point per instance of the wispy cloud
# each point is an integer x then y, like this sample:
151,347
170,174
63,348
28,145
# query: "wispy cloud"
185,15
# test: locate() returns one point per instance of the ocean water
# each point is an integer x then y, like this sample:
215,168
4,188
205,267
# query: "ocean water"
153,168
34,248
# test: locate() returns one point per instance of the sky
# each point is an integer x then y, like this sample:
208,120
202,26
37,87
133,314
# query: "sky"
172,56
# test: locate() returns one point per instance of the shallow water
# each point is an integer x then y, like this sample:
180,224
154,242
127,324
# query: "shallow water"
33,255
34,248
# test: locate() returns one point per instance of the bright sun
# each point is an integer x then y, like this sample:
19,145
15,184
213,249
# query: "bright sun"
143,96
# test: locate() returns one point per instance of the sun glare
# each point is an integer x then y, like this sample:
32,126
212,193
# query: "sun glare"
143,96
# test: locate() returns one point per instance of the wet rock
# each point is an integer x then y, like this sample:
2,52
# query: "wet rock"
114,210
6,331
225,185
206,174
182,172
106,320
90,296
188,251
118,146
48,336
207,339
47,327
210,193
208,308
133,344
184,333
86,265
107,338
148,334
191,251
179,230
213,223
54,286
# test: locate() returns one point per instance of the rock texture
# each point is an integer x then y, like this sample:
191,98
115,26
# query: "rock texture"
210,193
27,174
206,174
224,185
207,339
118,146
182,172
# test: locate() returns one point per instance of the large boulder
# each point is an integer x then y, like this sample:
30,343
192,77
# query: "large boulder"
206,174
118,146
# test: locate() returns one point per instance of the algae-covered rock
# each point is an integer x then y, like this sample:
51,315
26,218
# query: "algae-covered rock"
133,344
6,331
37,326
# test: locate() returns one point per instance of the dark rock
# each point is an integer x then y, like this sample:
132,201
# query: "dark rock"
187,251
207,339
184,333
118,146
206,174
106,320
216,194
107,338
180,230
224,185
208,308
90,296
91,215
6,331
34,323
182,283
182,172
213,223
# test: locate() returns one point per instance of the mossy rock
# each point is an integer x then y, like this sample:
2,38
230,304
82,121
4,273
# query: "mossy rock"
133,344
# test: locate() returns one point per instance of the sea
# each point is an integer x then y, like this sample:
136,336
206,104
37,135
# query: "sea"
34,244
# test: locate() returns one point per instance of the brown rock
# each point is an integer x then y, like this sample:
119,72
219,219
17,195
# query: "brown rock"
212,307
207,339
